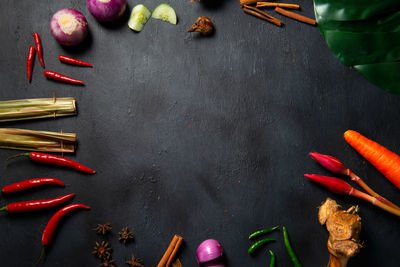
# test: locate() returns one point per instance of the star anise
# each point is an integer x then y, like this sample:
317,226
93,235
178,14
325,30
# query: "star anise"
102,250
103,228
134,262
108,263
125,235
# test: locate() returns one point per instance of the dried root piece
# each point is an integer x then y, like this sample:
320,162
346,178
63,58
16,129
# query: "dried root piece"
203,25
344,228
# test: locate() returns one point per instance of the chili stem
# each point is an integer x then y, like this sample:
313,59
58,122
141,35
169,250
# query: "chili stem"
18,155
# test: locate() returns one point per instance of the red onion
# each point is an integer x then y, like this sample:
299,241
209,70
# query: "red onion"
214,263
209,250
106,10
69,27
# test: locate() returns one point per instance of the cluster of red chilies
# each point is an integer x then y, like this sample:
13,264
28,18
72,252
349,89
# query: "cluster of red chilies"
35,205
339,186
51,74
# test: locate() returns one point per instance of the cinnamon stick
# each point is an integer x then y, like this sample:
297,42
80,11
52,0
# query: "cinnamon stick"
250,2
288,6
171,252
295,16
262,15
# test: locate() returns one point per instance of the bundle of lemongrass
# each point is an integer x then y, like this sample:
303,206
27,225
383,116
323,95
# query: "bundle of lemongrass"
26,109
37,140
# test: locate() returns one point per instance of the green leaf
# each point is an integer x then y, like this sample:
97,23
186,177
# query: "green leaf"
383,75
364,48
344,10
364,34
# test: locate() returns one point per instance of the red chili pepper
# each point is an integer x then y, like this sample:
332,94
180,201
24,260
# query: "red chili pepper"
34,205
48,232
54,160
74,61
51,226
39,50
28,184
29,62
62,78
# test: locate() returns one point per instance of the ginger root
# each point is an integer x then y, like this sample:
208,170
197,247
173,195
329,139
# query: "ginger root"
344,227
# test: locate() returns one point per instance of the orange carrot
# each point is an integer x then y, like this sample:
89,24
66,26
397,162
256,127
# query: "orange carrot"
387,162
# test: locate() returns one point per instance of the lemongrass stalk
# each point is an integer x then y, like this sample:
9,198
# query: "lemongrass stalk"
26,109
31,140
374,201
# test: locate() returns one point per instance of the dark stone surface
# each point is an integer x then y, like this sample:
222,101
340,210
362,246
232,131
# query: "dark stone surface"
204,137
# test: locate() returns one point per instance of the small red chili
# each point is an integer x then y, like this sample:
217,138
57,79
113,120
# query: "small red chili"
62,78
29,62
28,184
51,226
34,205
54,160
74,61
39,49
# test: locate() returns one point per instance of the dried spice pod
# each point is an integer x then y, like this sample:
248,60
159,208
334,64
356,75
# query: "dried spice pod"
125,235
203,25
103,228
134,262
102,250
108,263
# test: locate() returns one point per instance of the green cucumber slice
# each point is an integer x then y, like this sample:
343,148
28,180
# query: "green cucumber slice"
139,16
165,12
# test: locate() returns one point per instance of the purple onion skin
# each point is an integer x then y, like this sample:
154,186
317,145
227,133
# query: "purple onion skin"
76,36
106,10
209,250
214,263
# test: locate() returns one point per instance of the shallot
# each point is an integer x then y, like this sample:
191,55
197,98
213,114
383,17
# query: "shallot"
69,27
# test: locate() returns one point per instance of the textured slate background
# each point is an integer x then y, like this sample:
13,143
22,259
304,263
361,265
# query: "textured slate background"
204,137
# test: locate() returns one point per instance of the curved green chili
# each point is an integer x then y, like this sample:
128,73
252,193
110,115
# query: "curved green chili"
258,244
293,257
272,263
261,232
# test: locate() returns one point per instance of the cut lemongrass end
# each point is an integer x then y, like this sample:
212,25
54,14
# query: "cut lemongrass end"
165,12
139,16
31,140
27,109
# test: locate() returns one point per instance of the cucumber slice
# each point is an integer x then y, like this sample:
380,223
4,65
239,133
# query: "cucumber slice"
139,16
165,12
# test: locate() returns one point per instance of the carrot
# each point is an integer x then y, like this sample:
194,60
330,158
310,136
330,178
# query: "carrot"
387,162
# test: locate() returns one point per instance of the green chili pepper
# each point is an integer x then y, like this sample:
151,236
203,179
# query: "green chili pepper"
293,257
261,232
272,263
259,243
